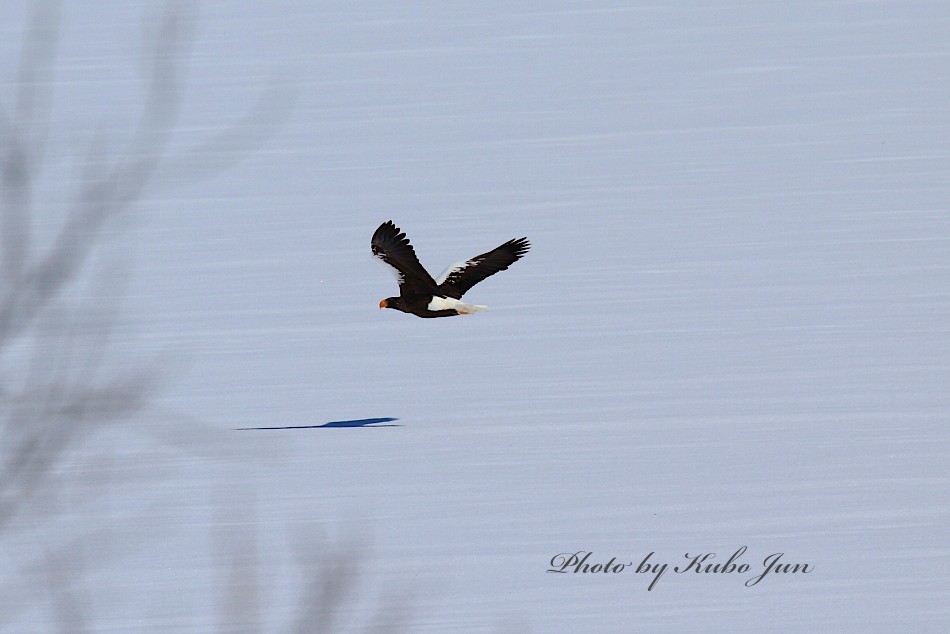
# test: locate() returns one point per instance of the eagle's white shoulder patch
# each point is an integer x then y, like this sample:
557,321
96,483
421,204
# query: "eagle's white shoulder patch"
452,268
399,277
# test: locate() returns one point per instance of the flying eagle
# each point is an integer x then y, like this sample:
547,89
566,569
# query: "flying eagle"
422,296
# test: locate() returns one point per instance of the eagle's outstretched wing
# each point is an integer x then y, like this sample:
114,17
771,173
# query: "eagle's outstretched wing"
392,246
458,278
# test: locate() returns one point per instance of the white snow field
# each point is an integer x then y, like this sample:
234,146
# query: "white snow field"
732,329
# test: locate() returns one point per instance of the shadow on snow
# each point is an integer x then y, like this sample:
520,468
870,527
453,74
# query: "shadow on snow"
362,422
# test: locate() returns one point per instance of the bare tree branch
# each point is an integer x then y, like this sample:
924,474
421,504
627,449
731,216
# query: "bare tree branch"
58,382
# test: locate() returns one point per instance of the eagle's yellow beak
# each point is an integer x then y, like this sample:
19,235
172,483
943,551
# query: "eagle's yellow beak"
383,304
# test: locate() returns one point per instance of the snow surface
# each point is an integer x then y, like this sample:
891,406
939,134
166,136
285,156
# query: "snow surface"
733,327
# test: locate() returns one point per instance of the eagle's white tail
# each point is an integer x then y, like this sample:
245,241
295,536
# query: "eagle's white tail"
468,309
442,303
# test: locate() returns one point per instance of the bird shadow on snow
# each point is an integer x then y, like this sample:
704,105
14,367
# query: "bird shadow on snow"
371,423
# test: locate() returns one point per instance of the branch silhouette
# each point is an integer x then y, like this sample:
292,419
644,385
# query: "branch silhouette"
59,379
